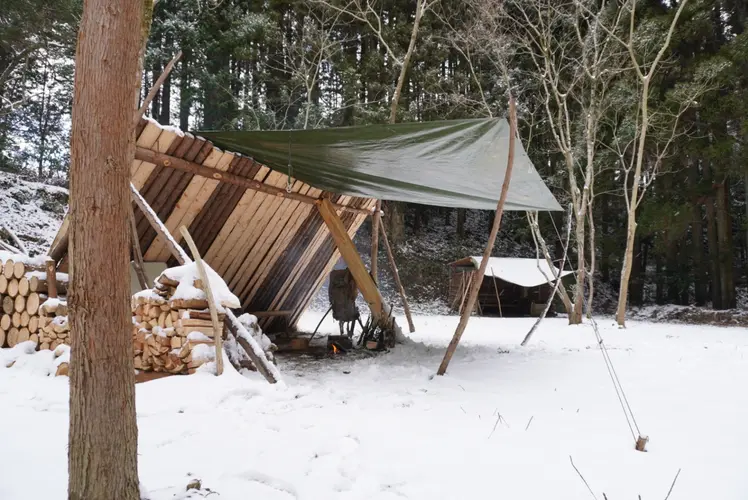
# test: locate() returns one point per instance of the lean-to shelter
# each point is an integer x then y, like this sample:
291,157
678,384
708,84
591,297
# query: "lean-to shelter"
252,200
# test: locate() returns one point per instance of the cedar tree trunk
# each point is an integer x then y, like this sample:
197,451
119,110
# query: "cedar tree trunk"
102,453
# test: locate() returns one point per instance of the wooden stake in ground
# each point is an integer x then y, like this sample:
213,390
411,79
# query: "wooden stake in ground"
396,275
51,278
475,288
103,437
376,223
217,327
137,254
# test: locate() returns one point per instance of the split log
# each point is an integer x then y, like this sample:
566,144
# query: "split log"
8,304
13,287
16,320
25,319
2,338
34,338
23,286
62,370
32,303
34,324
20,304
5,321
3,284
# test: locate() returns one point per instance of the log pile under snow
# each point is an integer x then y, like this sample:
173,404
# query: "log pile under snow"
23,293
172,329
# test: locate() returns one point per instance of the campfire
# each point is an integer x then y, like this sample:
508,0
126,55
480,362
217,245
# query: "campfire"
339,344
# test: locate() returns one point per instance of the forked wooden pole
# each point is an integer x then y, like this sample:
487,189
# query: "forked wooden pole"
217,327
496,289
137,254
475,288
396,274
154,90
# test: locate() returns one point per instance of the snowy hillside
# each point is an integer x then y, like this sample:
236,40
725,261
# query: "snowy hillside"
32,210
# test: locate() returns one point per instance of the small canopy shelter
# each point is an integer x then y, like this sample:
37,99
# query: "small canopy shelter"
274,232
510,287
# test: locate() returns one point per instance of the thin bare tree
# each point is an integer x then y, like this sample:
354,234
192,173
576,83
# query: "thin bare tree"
634,181
559,53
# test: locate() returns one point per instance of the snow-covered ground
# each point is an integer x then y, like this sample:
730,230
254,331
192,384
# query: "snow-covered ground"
503,423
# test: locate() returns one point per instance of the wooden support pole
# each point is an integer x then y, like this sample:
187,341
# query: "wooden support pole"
352,258
60,244
396,274
217,327
376,223
475,288
244,339
154,90
51,278
496,289
137,254
168,161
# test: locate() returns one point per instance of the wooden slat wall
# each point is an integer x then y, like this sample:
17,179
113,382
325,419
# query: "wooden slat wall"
274,252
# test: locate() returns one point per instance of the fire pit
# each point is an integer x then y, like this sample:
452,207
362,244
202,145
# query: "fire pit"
339,344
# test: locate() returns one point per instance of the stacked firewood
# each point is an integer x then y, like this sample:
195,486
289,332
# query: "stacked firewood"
55,328
23,289
173,332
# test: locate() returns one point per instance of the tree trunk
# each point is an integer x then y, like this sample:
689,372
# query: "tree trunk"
575,318
185,94
714,267
395,221
697,241
461,215
725,246
103,437
638,274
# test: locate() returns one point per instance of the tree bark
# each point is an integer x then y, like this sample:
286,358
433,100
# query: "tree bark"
697,241
103,435
461,216
725,245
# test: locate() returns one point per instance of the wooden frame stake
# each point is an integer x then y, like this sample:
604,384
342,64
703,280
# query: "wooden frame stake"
396,275
137,254
475,288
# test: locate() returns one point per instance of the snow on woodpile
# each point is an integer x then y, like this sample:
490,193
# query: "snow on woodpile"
32,210
172,328
190,286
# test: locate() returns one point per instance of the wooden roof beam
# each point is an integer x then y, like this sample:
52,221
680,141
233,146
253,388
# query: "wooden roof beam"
169,161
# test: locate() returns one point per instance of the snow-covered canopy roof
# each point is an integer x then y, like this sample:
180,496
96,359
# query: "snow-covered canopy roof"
523,272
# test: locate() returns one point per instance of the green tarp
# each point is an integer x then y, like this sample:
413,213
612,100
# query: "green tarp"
455,163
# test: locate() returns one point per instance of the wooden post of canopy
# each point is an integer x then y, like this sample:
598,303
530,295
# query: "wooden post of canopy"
243,338
348,251
475,287
396,275
376,223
